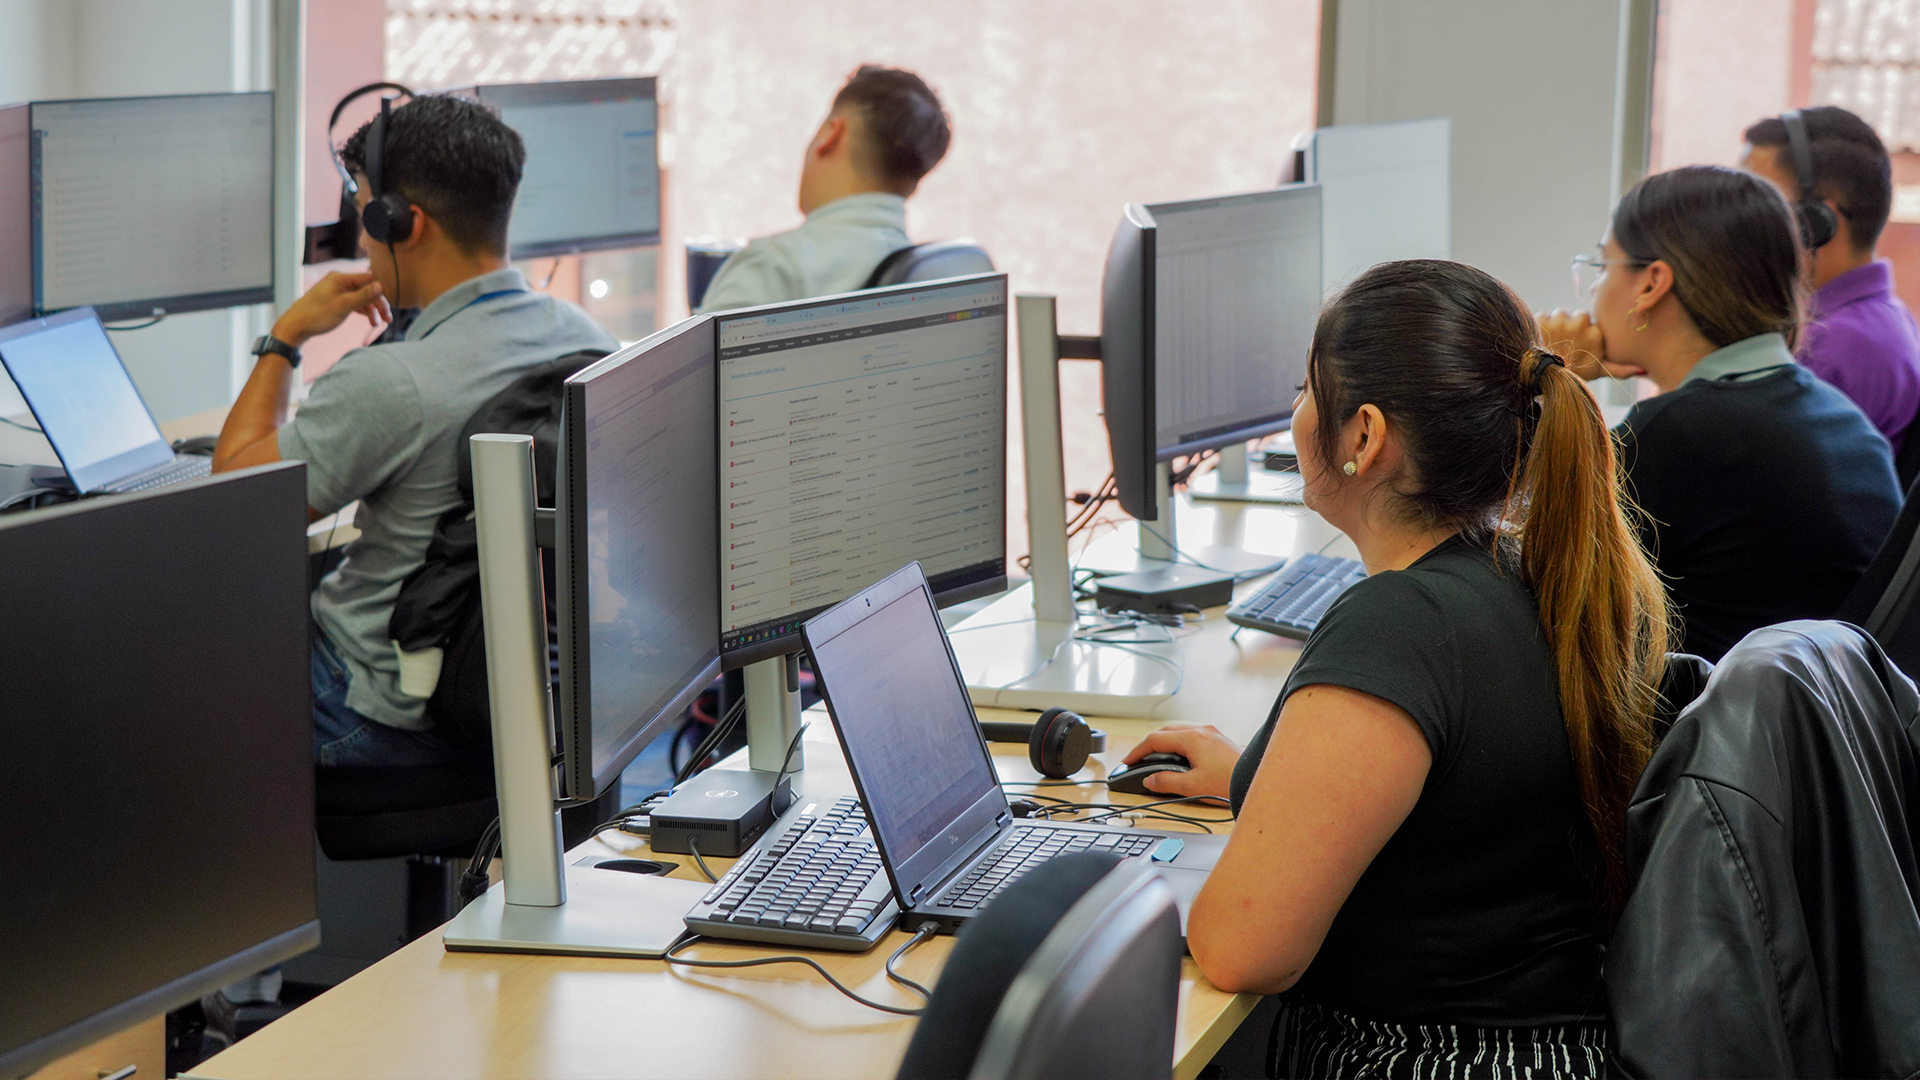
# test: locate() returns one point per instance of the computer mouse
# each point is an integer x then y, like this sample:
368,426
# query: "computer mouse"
199,444
1132,780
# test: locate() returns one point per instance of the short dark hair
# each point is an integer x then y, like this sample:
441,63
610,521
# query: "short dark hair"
907,130
1851,168
454,158
1732,242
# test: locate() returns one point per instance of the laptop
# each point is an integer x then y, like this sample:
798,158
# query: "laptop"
88,408
933,801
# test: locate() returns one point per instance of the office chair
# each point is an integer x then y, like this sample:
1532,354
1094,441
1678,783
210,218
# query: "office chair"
930,261
1906,463
1882,602
1074,971
1772,928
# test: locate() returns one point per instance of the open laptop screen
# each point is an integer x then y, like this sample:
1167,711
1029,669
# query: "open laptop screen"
904,719
80,393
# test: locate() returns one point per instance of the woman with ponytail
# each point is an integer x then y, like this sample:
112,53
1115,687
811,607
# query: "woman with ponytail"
1430,836
1764,492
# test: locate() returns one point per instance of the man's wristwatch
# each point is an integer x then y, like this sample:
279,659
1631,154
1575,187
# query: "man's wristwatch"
267,343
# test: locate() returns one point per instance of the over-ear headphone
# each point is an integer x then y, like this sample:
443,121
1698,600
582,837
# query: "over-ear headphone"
1818,223
341,238
1058,744
387,217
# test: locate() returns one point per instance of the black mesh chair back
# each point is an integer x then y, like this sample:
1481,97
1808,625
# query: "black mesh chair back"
1074,971
929,262
1882,603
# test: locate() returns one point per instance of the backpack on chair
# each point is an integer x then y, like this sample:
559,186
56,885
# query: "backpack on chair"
436,624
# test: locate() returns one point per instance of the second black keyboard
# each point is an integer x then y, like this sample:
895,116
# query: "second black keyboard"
816,882
1293,602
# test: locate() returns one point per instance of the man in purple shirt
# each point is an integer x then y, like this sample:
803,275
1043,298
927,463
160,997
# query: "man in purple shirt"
1860,337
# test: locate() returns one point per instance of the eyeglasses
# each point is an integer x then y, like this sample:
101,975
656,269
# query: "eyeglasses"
1587,270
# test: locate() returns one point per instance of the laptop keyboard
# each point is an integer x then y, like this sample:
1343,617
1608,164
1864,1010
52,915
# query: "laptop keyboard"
184,467
1293,602
1028,847
820,882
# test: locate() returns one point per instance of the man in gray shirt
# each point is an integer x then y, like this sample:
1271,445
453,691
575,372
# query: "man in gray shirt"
885,132
381,425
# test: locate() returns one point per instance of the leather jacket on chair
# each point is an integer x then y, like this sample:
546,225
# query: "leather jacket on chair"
1772,929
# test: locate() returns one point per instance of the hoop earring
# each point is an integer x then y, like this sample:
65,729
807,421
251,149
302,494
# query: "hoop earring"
1350,468
1648,322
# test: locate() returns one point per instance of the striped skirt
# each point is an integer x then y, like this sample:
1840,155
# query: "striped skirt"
1315,1041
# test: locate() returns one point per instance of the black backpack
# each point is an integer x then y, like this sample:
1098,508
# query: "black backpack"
439,603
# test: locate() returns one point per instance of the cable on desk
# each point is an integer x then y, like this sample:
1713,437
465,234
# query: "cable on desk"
694,847
155,321
761,961
21,426
475,880
926,931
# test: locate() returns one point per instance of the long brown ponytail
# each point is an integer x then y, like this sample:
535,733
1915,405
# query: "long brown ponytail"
1601,604
1504,443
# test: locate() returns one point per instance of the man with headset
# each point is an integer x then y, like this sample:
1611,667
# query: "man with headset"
435,183
1860,337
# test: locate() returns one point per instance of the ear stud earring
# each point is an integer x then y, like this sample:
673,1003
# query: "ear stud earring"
1350,468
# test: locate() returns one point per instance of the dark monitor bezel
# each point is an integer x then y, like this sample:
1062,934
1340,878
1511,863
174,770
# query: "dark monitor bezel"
154,307
281,482
1127,361
580,92
986,578
578,777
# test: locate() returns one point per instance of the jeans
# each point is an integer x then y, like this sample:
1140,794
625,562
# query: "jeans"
343,737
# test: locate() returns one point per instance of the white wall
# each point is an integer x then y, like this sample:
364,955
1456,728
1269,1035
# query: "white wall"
1530,87
1722,66
108,48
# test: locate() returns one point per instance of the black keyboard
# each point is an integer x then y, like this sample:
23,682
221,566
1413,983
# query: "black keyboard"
184,467
818,882
1027,847
1293,602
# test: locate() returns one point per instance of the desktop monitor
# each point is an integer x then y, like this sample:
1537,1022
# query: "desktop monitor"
1385,194
592,178
859,433
16,215
1207,312
638,552
156,763
153,206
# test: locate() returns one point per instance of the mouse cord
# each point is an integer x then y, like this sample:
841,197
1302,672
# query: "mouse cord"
919,936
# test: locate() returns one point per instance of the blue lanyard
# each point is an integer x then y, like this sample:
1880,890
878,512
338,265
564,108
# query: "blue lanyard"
481,299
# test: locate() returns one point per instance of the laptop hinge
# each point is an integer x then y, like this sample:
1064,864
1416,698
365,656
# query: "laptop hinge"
1005,818
914,896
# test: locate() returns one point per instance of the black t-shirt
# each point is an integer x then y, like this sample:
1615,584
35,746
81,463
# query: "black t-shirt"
1767,499
1477,910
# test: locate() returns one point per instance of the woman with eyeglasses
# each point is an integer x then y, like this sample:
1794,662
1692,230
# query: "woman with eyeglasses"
1763,491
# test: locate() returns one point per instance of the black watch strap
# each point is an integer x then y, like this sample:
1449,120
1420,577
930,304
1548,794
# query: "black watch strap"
267,343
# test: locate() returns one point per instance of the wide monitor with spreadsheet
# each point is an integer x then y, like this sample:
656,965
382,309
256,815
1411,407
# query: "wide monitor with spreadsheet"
638,555
156,762
153,206
1207,311
859,433
16,215
592,178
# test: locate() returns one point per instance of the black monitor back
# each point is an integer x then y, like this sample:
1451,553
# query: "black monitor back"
156,774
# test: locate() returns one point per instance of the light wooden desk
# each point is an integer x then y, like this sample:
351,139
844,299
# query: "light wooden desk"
425,1012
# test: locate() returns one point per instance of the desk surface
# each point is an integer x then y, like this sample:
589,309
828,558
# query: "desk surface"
425,1012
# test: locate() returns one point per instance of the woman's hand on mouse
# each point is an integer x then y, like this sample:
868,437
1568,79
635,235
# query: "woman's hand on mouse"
1210,756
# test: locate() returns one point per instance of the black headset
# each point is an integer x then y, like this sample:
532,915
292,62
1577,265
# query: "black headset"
341,240
387,216
1058,744
1818,223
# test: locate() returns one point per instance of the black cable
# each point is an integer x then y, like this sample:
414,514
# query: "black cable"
722,728
786,766
155,321
761,961
926,931
551,270
694,848
475,880
21,426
